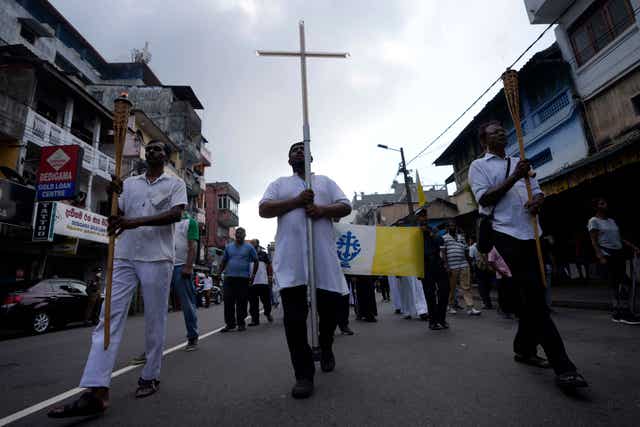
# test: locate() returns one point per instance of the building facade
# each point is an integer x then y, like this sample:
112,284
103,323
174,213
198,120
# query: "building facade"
221,204
48,78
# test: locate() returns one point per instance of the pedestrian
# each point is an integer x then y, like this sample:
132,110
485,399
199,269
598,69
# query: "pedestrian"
288,199
260,288
435,283
456,262
94,292
513,237
366,307
208,287
608,246
187,235
395,294
237,261
345,309
149,205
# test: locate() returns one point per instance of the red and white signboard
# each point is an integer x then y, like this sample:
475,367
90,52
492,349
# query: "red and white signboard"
58,172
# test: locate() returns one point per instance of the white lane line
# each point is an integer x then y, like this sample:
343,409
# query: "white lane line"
67,394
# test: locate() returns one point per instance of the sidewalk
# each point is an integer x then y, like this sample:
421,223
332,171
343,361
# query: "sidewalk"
593,295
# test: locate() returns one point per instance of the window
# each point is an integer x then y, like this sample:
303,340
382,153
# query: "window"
226,202
602,23
635,101
541,158
222,232
28,34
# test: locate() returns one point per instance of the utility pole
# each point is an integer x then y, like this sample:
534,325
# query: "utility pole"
407,187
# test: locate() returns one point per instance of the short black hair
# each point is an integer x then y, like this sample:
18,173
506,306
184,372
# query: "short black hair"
595,201
295,144
482,130
165,146
257,242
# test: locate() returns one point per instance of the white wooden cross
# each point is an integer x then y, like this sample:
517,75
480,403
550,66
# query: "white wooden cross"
303,55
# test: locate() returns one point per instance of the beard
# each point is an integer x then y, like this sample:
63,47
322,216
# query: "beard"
297,165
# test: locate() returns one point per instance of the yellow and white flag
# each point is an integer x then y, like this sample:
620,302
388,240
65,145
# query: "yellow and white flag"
421,199
379,251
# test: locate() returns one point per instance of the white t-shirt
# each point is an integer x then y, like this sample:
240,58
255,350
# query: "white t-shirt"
208,283
141,198
608,233
261,275
473,252
290,259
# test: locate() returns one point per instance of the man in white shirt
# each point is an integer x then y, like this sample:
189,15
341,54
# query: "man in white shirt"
149,206
288,199
513,237
260,288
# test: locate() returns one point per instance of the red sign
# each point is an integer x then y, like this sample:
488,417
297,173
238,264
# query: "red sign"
58,172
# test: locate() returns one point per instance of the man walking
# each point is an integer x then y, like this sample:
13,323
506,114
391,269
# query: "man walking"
149,206
513,237
435,282
187,235
288,199
260,288
457,264
94,291
236,260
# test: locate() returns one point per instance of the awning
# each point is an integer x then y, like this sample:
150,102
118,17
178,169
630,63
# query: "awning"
624,152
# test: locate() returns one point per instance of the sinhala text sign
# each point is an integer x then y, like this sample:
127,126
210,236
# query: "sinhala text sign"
58,172
80,223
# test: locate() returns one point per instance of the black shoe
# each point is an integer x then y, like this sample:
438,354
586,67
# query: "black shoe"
424,317
302,389
435,326
370,319
228,329
346,331
192,344
398,311
254,323
408,317
535,360
327,361
242,328
571,380
269,317
444,324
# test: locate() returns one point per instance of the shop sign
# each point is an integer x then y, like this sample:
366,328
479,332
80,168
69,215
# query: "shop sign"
68,246
80,223
58,172
43,222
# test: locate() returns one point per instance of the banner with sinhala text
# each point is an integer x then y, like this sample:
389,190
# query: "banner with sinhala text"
379,251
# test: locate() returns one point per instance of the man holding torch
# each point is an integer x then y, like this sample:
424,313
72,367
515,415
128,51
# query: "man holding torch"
149,205
287,199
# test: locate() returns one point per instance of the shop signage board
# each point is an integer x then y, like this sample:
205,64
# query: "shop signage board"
43,222
16,204
80,223
58,172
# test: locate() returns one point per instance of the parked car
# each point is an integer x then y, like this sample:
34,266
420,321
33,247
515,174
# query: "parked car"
41,305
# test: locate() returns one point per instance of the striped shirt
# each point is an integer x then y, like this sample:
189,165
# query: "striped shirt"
455,248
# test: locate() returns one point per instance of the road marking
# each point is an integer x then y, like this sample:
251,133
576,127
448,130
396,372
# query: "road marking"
67,394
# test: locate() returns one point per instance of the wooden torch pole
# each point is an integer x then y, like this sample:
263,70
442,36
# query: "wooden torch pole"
510,80
121,110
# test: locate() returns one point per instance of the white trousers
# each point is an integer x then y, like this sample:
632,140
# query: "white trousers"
395,292
155,280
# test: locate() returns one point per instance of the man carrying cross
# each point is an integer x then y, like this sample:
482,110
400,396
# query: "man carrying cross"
287,199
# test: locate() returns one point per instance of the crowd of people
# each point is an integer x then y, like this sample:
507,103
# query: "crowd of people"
156,248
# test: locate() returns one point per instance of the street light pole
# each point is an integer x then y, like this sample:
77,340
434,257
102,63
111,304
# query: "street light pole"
406,182
405,173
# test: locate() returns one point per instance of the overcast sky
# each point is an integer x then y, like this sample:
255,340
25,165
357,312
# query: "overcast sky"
414,67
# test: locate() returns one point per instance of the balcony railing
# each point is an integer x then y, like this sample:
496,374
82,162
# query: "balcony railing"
541,120
42,132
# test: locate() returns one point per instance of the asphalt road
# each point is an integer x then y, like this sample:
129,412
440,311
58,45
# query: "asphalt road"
394,372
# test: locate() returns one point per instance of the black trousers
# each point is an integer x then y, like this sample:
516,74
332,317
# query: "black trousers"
485,282
384,289
259,293
436,291
535,323
366,298
236,292
296,308
343,311
615,270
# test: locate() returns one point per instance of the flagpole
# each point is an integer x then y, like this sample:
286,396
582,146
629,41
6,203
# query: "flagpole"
306,133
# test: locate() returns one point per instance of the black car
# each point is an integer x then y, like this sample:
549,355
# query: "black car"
46,303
